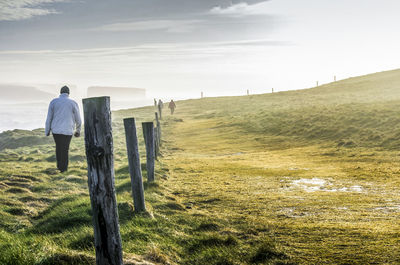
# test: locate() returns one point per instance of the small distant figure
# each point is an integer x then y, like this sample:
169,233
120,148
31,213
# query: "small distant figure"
155,103
172,106
62,118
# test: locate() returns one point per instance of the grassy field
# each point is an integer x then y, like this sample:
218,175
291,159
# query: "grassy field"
301,177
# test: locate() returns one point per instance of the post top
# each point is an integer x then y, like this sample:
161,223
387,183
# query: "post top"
129,119
106,98
147,123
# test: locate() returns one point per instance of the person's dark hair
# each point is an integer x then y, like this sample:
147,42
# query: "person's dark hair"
64,89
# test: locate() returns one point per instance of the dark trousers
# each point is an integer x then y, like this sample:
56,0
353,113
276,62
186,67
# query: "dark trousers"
62,147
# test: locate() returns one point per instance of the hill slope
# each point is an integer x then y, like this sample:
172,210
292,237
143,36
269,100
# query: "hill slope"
362,111
300,177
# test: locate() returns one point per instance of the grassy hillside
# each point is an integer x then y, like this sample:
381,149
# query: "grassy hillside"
301,177
362,111
22,138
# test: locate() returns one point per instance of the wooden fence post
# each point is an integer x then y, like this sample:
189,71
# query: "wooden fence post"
160,110
156,146
134,165
158,124
100,160
148,134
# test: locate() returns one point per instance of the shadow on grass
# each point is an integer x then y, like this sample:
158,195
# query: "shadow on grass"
125,212
214,248
78,158
68,259
213,240
170,206
150,185
126,186
83,243
266,251
122,171
66,213
208,226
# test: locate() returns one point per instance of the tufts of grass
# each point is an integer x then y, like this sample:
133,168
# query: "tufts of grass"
266,252
67,213
212,240
68,258
154,254
307,177
208,226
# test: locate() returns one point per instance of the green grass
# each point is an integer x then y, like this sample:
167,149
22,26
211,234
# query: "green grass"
300,177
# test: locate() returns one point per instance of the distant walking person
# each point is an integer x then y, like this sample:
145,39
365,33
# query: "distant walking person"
172,106
62,118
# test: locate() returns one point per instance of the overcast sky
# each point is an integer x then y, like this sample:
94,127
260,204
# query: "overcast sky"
177,48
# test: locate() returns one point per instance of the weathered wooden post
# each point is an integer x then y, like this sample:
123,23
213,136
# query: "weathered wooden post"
158,124
134,165
100,160
156,146
160,110
148,134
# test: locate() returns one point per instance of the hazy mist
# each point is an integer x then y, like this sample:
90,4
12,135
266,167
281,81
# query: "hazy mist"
185,47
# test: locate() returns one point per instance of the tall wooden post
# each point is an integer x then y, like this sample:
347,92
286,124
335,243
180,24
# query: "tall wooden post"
134,165
160,110
158,124
156,146
148,134
100,160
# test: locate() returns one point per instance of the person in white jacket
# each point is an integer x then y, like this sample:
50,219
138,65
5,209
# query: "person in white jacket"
63,118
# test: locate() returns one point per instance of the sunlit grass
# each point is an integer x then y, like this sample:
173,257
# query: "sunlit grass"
307,177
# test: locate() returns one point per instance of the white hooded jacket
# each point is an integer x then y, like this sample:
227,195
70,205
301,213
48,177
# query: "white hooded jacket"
62,116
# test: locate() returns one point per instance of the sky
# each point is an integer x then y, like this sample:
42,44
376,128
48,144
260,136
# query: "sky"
178,48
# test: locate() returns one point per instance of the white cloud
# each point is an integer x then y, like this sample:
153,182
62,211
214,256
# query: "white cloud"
241,9
173,26
24,9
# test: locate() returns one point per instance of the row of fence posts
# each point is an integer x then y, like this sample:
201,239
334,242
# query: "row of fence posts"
100,160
